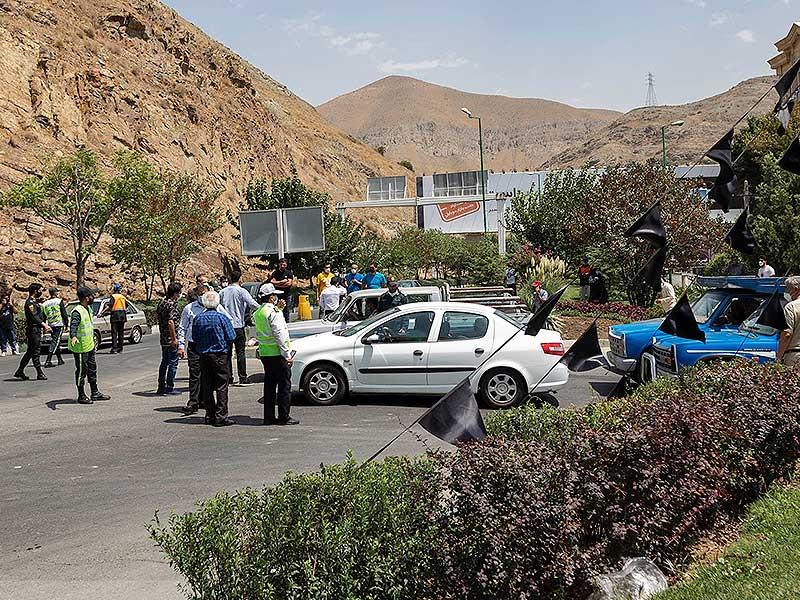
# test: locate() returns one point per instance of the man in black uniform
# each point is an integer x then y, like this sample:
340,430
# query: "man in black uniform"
283,279
392,297
34,323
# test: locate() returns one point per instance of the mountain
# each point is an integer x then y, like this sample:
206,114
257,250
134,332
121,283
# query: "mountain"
113,74
423,123
637,134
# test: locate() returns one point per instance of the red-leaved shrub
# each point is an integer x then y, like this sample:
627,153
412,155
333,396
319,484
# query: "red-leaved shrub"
609,309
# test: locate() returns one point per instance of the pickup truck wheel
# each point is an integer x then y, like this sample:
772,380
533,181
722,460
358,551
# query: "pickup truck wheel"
324,385
502,388
136,335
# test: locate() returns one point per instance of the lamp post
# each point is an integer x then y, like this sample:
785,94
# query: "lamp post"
664,140
483,176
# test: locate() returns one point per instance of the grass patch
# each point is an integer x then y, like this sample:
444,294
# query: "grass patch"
764,563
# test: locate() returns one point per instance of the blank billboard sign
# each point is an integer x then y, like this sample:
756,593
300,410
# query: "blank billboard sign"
259,232
304,229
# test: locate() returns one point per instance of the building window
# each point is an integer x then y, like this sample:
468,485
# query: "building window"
457,184
386,188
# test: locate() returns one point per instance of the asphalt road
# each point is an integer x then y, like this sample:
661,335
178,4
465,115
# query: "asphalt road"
78,483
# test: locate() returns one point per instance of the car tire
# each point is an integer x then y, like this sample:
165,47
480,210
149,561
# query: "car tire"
324,385
502,388
97,339
136,335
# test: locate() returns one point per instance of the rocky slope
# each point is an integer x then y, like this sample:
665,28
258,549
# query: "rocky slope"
637,134
112,74
423,123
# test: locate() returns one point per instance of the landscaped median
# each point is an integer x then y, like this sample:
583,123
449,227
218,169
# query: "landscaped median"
549,499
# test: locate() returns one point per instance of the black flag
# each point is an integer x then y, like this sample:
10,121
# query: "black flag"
649,227
456,418
680,321
587,347
790,161
740,237
539,318
784,84
725,185
650,274
784,114
772,315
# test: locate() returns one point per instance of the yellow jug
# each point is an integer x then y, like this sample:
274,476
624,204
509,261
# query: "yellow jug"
304,308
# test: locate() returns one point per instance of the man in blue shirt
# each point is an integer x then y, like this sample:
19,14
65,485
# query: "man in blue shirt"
354,279
237,300
213,335
374,279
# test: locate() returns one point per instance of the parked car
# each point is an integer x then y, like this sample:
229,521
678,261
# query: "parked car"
409,283
356,307
723,307
427,348
135,326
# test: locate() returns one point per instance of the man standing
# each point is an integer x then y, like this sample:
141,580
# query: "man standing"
584,272
34,323
274,350
789,341
323,278
539,296
510,279
283,279
764,270
667,299
391,297
330,297
236,300
56,314
81,344
374,279
167,313
117,308
354,279
213,335
8,334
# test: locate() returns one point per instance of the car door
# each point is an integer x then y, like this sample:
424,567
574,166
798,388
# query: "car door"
101,324
463,341
392,355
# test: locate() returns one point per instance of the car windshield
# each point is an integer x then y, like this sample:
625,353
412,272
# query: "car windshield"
366,323
750,325
705,306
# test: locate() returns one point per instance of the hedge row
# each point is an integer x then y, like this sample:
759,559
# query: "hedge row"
550,498
611,310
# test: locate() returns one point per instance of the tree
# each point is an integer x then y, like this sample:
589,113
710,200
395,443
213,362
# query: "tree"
757,139
380,150
76,197
407,164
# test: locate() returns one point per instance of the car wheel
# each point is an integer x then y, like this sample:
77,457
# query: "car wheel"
136,335
97,339
324,385
502,388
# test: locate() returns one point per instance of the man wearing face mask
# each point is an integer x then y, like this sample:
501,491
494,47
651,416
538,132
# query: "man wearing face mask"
789,341
81,344
392,297
374,279
354,279
35,321
274,350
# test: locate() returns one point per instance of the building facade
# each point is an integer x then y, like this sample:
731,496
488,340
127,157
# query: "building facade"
788,49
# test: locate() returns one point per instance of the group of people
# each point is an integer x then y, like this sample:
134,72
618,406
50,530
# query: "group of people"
332,286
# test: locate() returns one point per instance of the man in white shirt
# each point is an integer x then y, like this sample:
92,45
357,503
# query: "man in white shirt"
330,297
667,299
236,300
186,346
764,270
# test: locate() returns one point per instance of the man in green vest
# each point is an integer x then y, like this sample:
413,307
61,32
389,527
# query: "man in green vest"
56,314
81,344
274,350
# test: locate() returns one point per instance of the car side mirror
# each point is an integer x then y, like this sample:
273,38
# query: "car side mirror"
370,339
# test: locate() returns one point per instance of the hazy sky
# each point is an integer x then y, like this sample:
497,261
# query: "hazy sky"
589,54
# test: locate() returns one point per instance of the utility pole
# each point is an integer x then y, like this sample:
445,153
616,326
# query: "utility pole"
483,173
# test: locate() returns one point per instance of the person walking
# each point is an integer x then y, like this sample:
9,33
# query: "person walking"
391,297
168,318
274,350
186,346
789,340
374,279
283,279
81,344
8,330
34,323
236,301
354,279
56,314
764,270
510,277
213,335
117,310
330,297
584,272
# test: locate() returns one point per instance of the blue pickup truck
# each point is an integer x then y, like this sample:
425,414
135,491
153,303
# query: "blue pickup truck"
726,305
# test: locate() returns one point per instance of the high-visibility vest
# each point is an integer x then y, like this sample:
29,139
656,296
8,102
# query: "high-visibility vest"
52,311
85,332
120,302
267,346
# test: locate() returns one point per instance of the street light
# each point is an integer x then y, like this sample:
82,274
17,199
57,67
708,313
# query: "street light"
483,176
664,140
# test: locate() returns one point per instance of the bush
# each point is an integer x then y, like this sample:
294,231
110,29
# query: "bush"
611,310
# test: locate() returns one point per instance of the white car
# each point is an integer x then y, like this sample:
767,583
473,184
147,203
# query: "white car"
427,348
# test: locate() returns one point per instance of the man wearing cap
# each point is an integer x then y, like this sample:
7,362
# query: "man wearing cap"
391,297
274,350
56,314
34,323
81,344
539,295
117,308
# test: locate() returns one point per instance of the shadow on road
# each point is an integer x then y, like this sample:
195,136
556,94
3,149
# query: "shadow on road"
53,404
157,395
603,388
169,409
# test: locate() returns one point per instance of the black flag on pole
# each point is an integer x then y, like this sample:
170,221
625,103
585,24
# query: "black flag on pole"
680,321
585,354
539,318
649,227
790,161
772,315
456,418
725,185
740,237
650,274
784,84
784,114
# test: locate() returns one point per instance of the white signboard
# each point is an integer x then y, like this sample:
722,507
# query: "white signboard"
282,231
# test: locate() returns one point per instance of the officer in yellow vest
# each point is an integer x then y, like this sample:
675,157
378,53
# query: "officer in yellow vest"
274,350
117,311
81,344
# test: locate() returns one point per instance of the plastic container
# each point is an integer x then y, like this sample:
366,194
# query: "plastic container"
303,308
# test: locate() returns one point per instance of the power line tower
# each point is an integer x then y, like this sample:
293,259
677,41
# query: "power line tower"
651,91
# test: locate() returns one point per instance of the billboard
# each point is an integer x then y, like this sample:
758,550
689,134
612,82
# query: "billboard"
282,231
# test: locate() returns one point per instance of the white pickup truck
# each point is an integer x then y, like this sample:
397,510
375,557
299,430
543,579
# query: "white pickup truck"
358,306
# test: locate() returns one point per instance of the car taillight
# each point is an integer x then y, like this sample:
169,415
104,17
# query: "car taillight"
555,348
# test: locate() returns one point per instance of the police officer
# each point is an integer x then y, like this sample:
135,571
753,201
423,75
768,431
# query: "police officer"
56,314
34,323
274,350
81,344
117,308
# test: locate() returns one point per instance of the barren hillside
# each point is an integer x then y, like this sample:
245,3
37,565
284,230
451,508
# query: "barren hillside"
422,122
111,74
